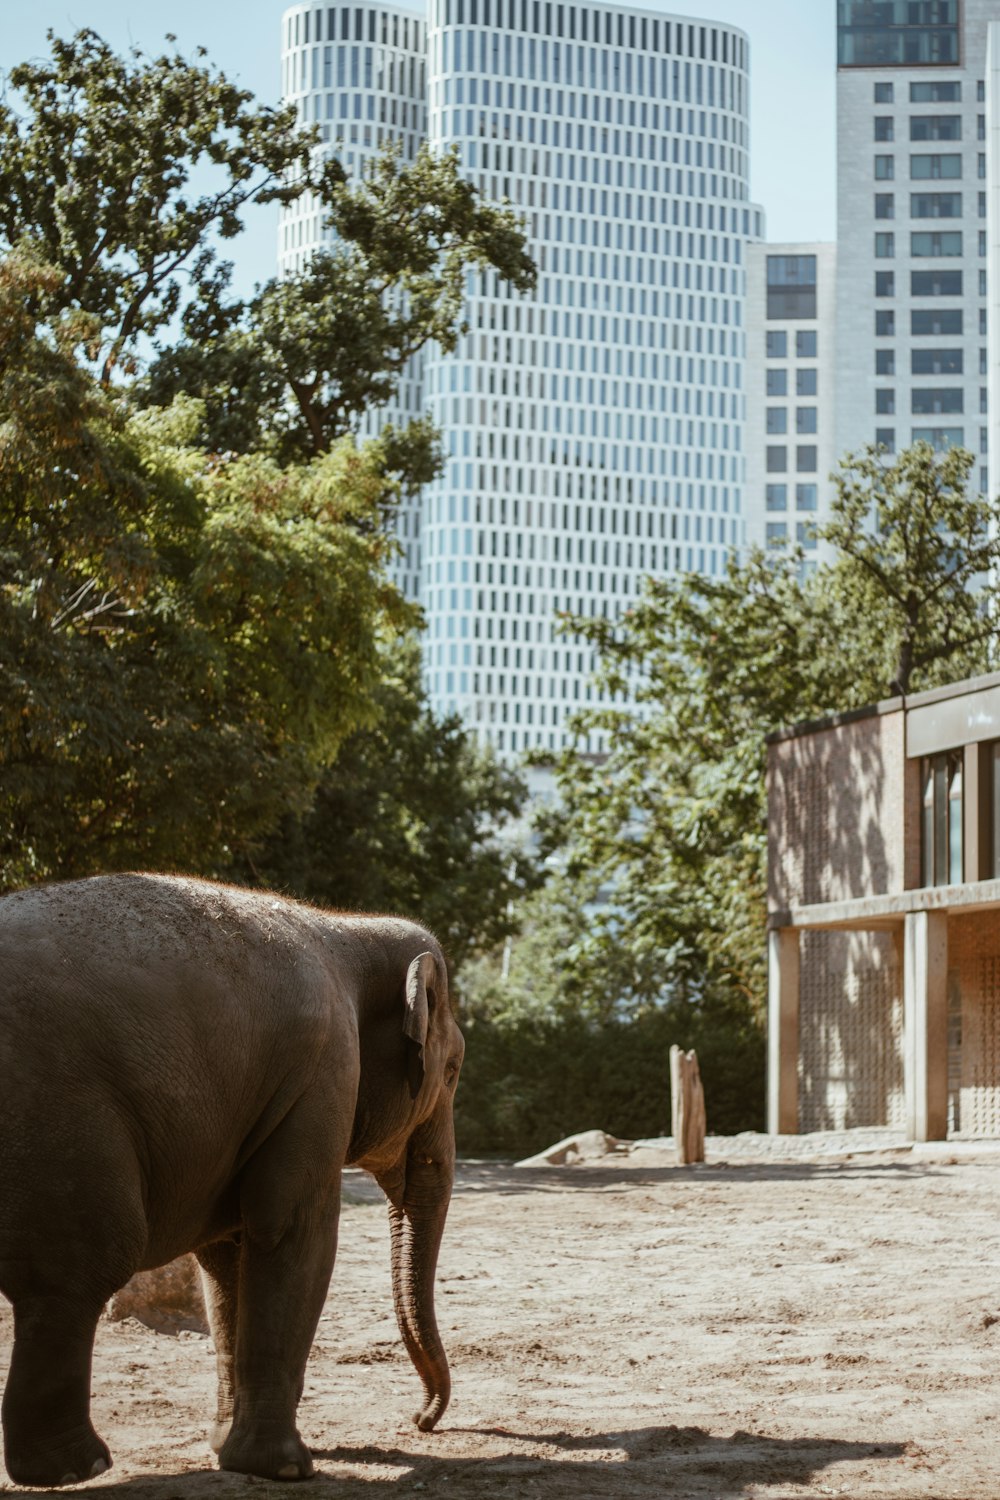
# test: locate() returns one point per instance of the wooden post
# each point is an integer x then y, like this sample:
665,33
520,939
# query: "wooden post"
687,1107
783,1031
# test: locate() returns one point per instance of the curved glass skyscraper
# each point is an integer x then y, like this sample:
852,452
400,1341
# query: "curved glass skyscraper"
593,430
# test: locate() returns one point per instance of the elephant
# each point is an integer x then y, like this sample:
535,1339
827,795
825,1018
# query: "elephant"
187,1066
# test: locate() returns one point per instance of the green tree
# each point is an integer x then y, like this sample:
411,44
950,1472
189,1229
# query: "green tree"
671,819
294,368
98,170
184,645
915,555
407,820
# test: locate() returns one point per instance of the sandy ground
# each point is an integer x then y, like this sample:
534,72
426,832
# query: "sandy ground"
633,1329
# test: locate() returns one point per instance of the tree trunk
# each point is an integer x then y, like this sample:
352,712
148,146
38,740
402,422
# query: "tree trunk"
687,1107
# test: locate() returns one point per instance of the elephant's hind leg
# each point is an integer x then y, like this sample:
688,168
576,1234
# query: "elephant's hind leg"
220,1280
288,1246
48,1436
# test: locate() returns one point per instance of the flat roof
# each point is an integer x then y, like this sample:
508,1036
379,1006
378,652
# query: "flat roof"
965,688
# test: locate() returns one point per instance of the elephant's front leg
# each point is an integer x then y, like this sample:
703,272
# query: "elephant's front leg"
220,1281
288,1246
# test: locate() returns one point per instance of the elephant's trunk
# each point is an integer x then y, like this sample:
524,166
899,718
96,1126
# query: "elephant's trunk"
416,1225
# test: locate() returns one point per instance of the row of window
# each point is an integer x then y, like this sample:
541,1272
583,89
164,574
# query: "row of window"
805,381
927,205
928,127
936,283
306,28
805,458
926,322
924,400
939,438
605,27
928,362
805,419
928,164
806,496
941,243
925,91
776,534
806,343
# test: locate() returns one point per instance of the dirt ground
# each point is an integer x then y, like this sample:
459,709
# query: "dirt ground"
632,1329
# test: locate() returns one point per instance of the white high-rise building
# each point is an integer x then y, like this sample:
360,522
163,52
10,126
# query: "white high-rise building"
594,430
912,225
791,372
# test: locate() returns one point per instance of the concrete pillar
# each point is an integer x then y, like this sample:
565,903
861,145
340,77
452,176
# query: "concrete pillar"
783,1031
925,1024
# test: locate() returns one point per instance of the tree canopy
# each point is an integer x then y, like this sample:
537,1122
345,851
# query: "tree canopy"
669,823
183,644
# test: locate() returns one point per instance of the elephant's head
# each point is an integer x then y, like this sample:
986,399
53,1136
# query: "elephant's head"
415,1167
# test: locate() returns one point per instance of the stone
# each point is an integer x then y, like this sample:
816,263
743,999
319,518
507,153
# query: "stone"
167,1299
589,1145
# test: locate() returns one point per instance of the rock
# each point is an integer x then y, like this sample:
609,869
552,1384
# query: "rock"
168,1299
589,1145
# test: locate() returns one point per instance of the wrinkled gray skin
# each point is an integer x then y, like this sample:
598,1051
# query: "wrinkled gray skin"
187,1066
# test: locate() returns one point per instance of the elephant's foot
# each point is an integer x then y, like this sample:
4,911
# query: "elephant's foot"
71,1459
219,1435
267,1457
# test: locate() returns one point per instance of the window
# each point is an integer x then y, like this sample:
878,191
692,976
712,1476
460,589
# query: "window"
933,91
806,497
885,323
935,127
936,362
934,400
941,822
885,283
777,496
936,205
885,437
805,535
940,438
928,321
885,361
777,344
791,286
777,458
805,343
885,246
885,206
885,401
805,419
884,128
897,33
805,458
776,533
885,168
777,419
936,242
777,382
935,283
938,165
805,381
883,93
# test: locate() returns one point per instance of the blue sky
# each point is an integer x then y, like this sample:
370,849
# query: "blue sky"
793,63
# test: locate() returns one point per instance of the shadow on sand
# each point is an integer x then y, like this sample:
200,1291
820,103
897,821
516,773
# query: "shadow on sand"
678,1461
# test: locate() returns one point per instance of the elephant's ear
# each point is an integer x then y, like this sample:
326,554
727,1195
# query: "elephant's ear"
420,998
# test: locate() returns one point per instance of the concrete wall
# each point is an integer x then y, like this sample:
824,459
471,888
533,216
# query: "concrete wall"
836,813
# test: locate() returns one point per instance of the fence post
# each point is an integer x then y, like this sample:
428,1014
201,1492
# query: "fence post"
687,1107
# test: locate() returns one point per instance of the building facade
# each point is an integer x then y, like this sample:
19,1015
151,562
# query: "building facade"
791,374
884,917
594,431
912,295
